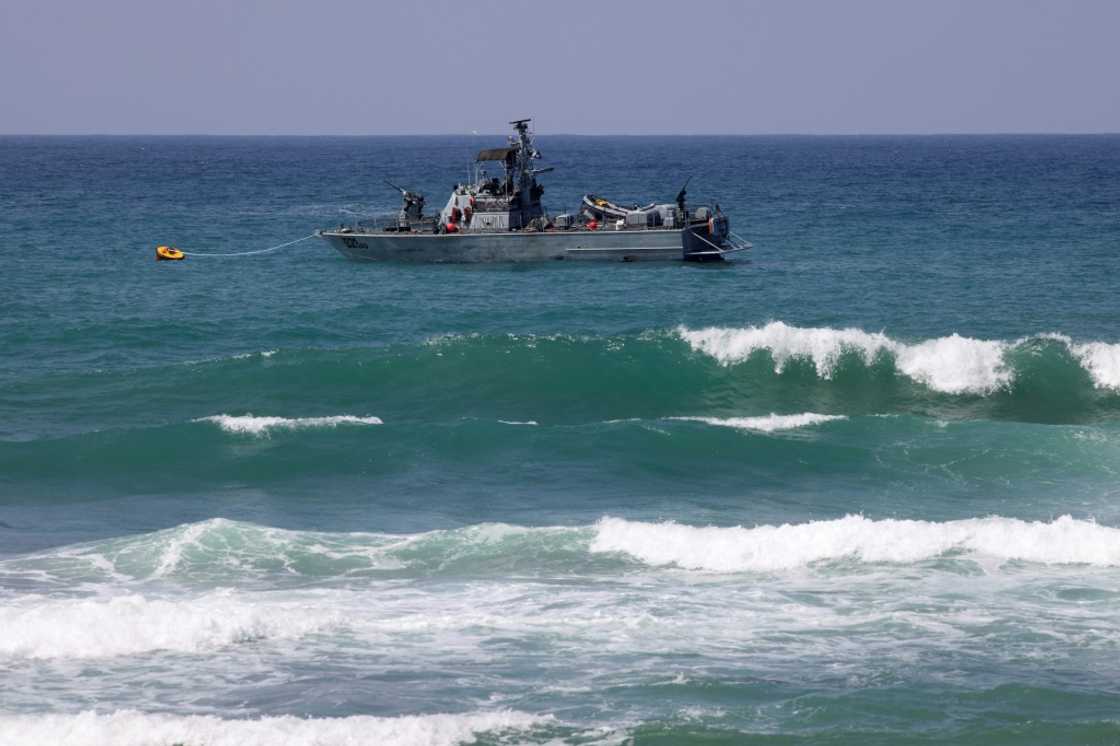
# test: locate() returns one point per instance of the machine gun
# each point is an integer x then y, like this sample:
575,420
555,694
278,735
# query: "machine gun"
681,195
412,208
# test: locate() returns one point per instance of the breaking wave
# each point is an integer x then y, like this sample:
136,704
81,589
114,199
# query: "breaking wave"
219,552
279,576
769,423
248,424
505,379
770,548
132,728
951,365
1102,360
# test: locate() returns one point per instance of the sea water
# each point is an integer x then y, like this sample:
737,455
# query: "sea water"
858,486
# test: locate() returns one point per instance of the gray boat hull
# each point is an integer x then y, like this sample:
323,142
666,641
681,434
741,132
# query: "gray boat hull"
514,246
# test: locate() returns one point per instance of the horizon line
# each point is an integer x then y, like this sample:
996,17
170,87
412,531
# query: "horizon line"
993,133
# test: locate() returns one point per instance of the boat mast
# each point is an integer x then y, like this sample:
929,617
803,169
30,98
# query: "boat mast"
525,154
527,191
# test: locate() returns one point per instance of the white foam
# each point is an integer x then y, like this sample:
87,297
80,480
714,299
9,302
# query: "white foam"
41,627
519,422
955,364
448,338
132,728
247,355
170,557
769,423
248,424
823,346
1102,360
952,364
768,548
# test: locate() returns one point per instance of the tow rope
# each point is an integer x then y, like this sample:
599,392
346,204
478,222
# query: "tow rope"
169,254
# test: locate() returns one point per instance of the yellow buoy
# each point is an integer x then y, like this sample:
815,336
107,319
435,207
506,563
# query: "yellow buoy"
169,253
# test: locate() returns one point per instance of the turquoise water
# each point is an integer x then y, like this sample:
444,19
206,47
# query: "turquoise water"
857,487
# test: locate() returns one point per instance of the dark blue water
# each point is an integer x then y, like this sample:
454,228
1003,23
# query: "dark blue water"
859,486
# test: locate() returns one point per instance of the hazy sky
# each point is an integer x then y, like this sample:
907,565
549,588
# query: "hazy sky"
613,66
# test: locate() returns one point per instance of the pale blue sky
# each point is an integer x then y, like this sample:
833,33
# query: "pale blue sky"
614,66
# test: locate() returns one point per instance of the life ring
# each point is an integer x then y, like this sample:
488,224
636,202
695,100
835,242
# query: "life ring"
168,253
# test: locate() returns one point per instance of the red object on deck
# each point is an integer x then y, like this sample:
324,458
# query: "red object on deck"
452,228
592,225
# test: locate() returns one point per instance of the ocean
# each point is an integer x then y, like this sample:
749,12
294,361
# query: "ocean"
858,486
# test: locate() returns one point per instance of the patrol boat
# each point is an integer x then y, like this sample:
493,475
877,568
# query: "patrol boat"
501,219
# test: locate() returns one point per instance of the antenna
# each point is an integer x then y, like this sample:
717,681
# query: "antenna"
470,164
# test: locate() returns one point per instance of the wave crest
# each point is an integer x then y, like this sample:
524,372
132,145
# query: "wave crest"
1102,360
218,552
251,425
769,548
951,365
768,423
